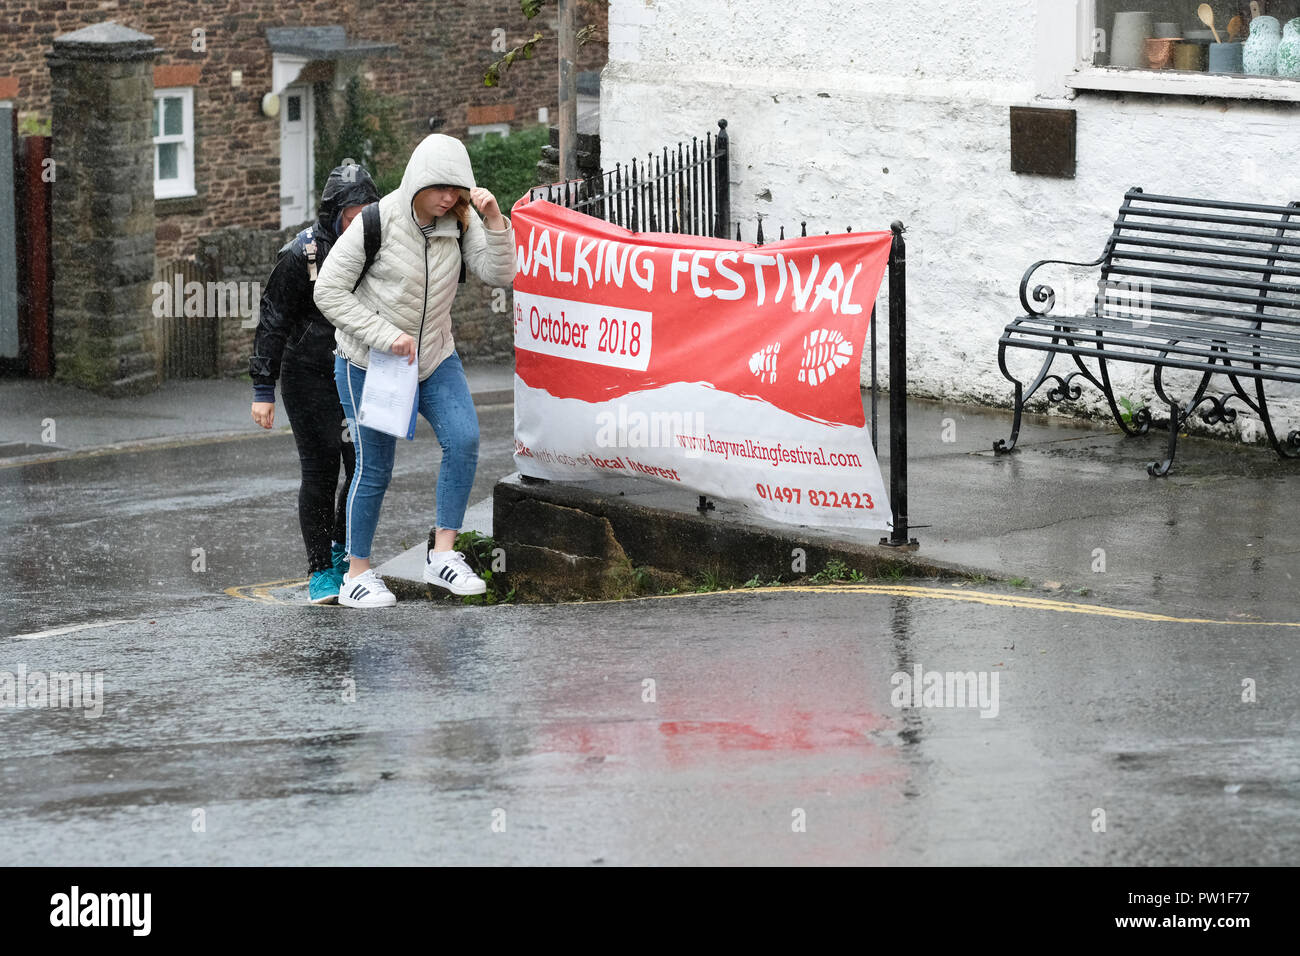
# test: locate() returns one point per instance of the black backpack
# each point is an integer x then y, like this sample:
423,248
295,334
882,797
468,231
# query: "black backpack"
373,237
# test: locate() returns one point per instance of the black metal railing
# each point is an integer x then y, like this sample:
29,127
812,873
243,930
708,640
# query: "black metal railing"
686,190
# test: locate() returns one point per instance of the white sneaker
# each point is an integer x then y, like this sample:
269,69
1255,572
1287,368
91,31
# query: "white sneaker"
448,569
365,590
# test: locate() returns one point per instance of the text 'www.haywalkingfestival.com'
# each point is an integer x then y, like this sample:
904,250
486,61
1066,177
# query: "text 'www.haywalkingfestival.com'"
774,454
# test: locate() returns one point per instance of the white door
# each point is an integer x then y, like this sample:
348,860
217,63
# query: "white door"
297,169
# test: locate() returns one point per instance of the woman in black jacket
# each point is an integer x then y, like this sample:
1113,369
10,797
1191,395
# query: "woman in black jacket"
295,344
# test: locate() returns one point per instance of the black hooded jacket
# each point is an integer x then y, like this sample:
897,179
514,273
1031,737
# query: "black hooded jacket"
290,321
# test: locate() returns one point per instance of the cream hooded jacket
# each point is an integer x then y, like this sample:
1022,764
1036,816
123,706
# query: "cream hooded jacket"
412,280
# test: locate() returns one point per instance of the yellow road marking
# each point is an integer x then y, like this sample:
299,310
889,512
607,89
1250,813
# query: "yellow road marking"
985,597
261,593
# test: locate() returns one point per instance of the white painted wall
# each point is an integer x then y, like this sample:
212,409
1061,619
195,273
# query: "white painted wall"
860,112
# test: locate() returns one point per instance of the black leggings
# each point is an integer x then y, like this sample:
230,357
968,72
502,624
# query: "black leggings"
319,429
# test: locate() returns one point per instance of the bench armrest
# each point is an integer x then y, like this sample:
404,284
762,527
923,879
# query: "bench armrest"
1045,293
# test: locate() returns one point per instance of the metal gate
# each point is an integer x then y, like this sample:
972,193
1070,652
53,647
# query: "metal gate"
26,293
187,345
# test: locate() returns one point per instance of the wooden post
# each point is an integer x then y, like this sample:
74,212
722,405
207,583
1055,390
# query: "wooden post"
36,238
568,90
10,349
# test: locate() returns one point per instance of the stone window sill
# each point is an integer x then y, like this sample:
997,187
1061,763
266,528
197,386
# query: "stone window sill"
1177,83
180,204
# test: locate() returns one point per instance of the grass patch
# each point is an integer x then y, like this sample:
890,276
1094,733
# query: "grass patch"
837,570
482,554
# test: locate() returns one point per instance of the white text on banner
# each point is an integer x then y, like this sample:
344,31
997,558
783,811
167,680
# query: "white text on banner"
583,331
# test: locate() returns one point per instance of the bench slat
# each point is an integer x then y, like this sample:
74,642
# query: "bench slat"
1154,353
1118,236
1197,364
1217,295
1196,217
1175,324
1158,307
1197,263
1197,247
1284,342
1138,196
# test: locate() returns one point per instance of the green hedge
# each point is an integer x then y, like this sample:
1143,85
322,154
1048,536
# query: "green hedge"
507,165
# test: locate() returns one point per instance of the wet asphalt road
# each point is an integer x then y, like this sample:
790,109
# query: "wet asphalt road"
435,733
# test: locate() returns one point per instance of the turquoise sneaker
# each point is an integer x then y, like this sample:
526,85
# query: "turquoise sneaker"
341,563
323,587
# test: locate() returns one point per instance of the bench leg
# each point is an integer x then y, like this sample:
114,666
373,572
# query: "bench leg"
1179,413
1003,446
1285,449
1141,418
1159,469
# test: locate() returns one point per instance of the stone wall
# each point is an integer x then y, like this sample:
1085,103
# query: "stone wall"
240,256
481,324
443,48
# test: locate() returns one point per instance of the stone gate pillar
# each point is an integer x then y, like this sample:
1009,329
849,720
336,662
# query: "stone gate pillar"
101,88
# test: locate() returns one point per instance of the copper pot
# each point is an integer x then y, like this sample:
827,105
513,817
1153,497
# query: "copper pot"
1160,52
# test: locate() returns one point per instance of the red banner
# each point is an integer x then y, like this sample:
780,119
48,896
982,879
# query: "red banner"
765,342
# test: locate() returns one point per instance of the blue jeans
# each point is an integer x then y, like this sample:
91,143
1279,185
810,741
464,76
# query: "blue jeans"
445,402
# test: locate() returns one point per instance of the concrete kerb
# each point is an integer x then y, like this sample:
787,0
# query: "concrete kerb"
566,542
566,520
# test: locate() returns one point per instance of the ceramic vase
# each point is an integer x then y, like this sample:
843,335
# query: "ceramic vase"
1189,56
1128,39
1259,55
1225,58
1288,51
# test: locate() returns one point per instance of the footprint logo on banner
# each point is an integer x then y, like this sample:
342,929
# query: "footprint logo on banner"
825,352
763,363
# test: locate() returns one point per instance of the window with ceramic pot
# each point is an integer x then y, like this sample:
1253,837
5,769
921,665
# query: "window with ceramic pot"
1255,38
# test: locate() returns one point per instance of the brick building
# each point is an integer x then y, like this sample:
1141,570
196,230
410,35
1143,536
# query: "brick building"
225,156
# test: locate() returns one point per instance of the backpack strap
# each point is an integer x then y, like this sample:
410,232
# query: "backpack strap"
373,236
309,248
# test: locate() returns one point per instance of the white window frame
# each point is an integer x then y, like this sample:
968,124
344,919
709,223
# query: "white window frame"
1066,66
487,128
183,184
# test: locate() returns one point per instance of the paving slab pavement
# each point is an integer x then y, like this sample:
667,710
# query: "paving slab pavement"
44,418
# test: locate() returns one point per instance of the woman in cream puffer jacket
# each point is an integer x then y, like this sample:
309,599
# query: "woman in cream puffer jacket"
403,306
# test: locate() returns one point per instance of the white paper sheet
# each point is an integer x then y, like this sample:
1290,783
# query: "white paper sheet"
388,398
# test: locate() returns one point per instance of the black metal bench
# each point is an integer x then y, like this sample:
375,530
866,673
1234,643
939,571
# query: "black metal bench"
1206,286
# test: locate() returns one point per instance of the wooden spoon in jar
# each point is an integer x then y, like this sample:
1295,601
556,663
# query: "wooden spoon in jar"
1207,17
